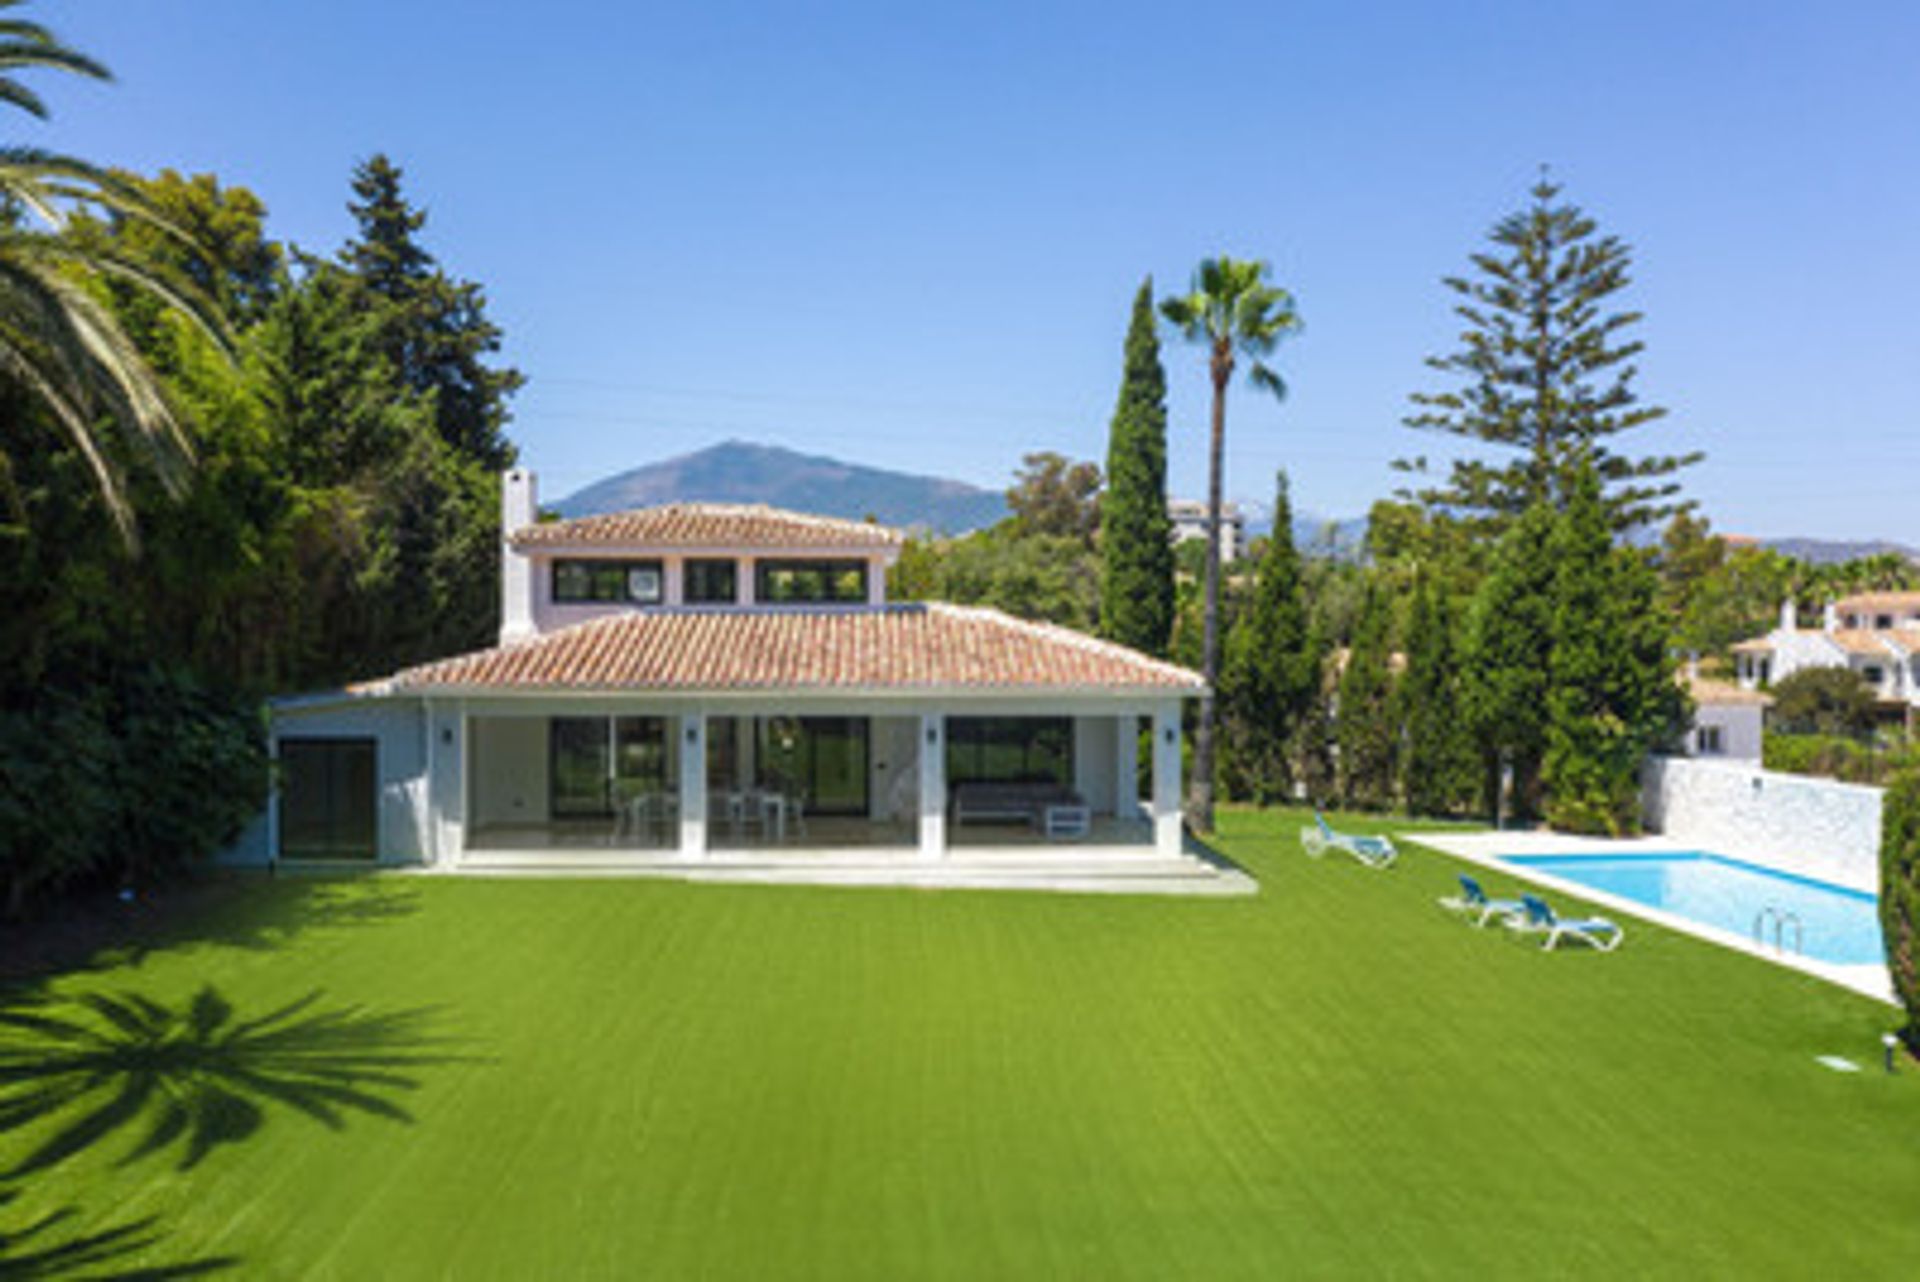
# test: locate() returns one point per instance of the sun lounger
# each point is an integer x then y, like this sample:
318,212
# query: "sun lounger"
1374,852
1473,901
1598,931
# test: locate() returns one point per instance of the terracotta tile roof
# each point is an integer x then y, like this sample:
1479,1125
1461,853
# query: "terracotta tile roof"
1710,693
1861,641
1758,645
708,525
900,647
1867,602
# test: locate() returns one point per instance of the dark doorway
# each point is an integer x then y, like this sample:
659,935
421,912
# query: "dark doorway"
329,799
823,759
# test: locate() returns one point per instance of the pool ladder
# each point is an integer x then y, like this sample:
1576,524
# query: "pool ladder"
1780,920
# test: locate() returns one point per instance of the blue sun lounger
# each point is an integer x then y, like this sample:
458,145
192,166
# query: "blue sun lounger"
1598,931
1473,901
1374,852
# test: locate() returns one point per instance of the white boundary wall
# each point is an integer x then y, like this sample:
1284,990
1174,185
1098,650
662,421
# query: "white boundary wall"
1814,827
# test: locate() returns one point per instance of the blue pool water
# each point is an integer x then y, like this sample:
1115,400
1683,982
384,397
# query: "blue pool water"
1837,925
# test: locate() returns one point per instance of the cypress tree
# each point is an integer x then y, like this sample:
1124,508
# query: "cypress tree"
1509,644
1545,375
1613,697
1272,669
1136,582
1436,764
1363,719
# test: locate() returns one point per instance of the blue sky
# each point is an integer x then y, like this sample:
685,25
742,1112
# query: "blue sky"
909,236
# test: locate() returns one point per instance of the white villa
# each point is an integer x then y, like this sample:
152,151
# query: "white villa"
724,686
1189,517
1877,634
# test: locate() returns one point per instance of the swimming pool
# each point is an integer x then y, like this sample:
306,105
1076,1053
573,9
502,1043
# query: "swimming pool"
1835,924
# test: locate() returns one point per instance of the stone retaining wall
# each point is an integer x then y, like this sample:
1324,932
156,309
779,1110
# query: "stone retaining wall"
1814,827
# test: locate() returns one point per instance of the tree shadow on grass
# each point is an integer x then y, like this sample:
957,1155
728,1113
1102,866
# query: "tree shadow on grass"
36,1251
189,1078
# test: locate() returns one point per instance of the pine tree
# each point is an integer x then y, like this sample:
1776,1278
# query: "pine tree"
1272,669
1545,373
1612,696
1436,764
432,329
1136,536
1509,644
1364,725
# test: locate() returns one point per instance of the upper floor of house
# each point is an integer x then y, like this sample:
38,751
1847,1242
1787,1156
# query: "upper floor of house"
703,555
1876,634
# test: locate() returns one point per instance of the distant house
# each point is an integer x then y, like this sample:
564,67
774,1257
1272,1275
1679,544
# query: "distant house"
1875,634
725,685
1728,720
1189,517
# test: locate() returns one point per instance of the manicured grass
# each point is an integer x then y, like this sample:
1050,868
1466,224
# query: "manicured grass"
570,1079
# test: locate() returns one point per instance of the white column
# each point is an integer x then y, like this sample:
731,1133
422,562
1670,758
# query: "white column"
692,729
745,585
876,580
519,506
1126,757
933,785
1166,781
673,581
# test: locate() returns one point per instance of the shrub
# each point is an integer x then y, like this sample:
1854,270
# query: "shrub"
125,783
1900,894
1826,701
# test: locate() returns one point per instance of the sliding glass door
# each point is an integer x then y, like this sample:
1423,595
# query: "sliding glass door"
329,799
598,762
823,759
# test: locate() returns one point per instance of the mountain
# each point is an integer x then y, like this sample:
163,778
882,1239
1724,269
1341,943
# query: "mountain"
1832,551
742,472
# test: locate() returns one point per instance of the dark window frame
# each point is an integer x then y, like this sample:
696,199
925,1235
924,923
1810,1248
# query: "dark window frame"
601,571
970,740
830,570
692,572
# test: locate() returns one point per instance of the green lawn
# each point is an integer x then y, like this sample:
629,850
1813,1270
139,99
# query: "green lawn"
571,1079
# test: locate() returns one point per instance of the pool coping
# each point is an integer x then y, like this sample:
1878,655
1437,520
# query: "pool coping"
1486,849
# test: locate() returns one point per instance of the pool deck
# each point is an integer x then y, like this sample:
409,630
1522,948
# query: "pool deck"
1486,849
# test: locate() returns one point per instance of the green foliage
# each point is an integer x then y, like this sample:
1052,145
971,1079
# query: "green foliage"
1272,670
1823,701
1508,651
126,780
1545,375
1437,774
1612,697
1136,582
1032,576
1233,312
1364,725
1053,495
1900,895
1849,759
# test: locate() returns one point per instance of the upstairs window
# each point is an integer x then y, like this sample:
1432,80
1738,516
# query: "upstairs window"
631,582
1873,675
811,582
1707,742
1883,622
712,582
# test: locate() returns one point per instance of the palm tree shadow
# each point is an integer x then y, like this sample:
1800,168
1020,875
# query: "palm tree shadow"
29,1253
190,1078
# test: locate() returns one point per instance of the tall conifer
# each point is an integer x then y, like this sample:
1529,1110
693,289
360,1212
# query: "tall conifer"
1545,374
1364,725
1272,668
1509,644
1136,536
1436,763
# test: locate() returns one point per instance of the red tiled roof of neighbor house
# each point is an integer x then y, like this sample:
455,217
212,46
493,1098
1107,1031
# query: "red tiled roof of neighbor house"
1860,641
709,525
1758,645
929,646
1711,693
1866,602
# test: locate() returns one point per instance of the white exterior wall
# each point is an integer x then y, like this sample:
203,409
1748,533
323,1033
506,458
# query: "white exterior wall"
509,783
1741,728
1814,827
1093,762
534,581
398,730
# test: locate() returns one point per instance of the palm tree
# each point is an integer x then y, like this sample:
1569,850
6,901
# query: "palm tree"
58,341
1232,310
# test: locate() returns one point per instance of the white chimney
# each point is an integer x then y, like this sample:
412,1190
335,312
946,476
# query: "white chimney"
1830,617
519,506
1789,615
